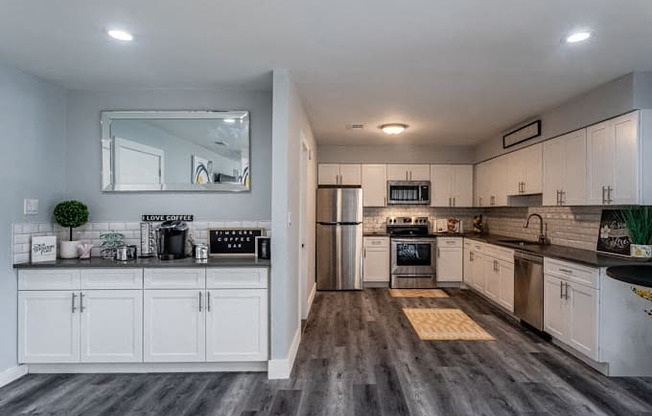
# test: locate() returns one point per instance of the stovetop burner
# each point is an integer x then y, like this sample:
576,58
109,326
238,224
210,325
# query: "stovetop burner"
406,226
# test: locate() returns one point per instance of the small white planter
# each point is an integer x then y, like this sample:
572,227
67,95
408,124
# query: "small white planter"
68,249
642,251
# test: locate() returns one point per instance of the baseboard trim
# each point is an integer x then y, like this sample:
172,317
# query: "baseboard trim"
12,374
281,369
257,366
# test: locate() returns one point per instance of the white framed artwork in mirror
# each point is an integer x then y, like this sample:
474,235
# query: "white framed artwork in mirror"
175,151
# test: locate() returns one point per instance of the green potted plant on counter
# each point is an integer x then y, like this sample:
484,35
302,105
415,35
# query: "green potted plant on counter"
70,214
639,229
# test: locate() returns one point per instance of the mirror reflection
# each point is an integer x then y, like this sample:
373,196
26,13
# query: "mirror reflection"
175,151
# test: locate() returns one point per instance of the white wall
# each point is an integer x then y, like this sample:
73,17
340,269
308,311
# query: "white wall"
83,163
32,130
396,154
614,98
289,119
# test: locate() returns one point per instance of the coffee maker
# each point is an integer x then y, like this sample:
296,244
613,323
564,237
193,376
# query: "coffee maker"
172,240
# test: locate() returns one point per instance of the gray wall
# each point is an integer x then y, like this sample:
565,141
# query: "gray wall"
83,163
608,100
396,154
33,131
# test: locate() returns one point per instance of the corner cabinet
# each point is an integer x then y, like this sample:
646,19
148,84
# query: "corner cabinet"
152,315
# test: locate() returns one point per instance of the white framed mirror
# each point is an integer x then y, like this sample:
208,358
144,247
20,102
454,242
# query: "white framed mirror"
175,151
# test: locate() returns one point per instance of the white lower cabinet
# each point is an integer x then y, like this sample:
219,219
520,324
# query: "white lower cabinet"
449,260
236,325
111,326
174,326
489,270
506,285
375,268
48,327
571,305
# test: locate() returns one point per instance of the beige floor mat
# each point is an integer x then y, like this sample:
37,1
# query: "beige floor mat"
445,324
417,293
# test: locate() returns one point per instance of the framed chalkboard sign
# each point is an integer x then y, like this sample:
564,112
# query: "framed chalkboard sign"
612,237
233,242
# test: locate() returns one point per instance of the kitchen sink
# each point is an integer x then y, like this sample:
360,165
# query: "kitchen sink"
520,242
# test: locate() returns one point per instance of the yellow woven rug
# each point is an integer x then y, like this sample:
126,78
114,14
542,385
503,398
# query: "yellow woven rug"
445,324
417,293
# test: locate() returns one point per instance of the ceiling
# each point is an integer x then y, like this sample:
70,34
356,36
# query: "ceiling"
456,71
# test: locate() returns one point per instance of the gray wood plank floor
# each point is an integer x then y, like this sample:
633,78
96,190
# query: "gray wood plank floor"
360,356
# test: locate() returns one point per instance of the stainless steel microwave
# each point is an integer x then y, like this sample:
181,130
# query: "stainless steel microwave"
408,192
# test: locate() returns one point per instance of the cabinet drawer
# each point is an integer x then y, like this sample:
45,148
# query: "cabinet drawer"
240,278
504,254
51,279
112,279
379,242
573,272
175,278
449,242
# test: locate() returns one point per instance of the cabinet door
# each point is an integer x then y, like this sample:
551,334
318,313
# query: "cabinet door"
531,162
583,320
481,185
515,172
350,174
468,264
376,264
555,314
112,326
419,172
626,167
398,172
449,264
599,153
554,169
506,290
374,185
492,278
498,182
574,180
174,326
328,173
462,189
441,183
236,325
48,327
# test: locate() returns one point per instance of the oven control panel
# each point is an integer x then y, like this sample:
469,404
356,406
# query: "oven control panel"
407,221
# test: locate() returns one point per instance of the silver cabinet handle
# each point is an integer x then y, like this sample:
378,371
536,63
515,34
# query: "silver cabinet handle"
384,201
558,197
566,291
364,253
450,201
561,197
470,256
200,301
81,302
208,301
561,290
603,198
566,270
480,201
438,253
609,200
74,295
454,204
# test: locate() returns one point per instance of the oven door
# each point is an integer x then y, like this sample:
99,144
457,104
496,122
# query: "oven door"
413,256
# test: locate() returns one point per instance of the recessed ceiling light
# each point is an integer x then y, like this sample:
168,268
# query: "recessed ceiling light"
122,35
393,128
578,37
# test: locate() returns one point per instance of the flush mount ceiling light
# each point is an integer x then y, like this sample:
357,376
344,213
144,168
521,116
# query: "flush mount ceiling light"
577,37
229,120
393,128
121,35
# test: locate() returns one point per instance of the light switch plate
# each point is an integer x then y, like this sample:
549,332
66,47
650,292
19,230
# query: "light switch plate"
30,207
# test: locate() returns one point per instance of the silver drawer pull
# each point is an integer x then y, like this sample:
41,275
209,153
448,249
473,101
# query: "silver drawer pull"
566,271
200,301
81,302
74,308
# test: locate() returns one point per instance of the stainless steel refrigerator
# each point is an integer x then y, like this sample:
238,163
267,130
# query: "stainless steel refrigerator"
339,238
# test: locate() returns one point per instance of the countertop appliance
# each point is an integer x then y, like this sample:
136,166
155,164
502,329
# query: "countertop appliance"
339,238
528,288
412,253
172,240
408,192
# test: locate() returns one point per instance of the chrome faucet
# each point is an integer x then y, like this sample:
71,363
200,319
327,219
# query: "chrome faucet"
542,238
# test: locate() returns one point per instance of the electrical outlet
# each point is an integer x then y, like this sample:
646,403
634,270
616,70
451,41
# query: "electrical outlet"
30,207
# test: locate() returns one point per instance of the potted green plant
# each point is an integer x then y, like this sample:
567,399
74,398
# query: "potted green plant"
638,221
70,214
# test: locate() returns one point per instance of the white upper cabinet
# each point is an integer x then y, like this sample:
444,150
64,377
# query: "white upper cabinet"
374,185
339,174
497,186
524,171
564,169
451,185
612,161
408,172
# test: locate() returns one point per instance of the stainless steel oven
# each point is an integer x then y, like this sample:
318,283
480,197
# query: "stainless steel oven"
408,192
412,262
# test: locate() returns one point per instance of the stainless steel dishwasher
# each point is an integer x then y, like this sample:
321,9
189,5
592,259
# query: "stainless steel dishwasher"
528,288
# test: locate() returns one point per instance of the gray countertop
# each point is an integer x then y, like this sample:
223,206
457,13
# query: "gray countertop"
638,275
98,262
